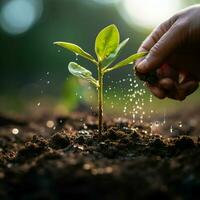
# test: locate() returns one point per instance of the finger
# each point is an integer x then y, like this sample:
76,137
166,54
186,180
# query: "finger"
166,84
166,71
162,49
159,93
156,34
186,89
183,90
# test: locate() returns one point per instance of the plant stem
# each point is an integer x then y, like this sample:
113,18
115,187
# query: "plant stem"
100,99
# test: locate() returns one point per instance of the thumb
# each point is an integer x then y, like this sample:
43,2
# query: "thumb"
163,48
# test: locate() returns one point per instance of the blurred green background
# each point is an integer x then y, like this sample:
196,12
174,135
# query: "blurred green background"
34,71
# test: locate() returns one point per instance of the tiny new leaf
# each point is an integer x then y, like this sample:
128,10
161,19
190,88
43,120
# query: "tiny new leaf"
106,42
113,56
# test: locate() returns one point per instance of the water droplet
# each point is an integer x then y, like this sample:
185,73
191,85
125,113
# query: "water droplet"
47,73
59,50
9,165
50,124
157,123
87,166
171,129
80,147
180,124
134,117
15,131
48,82
76,56
84,126
38,104
164,118
151,98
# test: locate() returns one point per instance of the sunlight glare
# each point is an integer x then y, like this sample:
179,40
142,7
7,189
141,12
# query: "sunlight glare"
17,16
148,13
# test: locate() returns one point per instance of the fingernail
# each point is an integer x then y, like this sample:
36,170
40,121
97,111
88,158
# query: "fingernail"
141,67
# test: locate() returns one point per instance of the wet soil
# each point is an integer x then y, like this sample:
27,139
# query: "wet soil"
64,157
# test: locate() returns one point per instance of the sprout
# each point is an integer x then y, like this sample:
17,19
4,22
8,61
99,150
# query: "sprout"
108,49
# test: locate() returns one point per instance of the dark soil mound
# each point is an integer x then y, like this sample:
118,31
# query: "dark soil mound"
70,160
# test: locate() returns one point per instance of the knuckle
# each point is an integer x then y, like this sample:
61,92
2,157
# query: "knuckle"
156,34
164,26
182,24
154,50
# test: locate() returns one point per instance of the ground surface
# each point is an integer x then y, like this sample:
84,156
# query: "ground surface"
65,157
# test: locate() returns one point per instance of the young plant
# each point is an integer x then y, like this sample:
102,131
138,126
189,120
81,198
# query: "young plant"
108,49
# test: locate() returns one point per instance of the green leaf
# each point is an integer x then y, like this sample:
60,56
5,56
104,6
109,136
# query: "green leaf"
127,61
76,49
81,72
113,56
106,42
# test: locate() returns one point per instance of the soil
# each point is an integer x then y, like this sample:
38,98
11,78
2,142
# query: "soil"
66,158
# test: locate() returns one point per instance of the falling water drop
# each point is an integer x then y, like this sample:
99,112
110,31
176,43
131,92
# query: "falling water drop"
171,129
164,118
76,56
134,118
180,124
150,98
157,123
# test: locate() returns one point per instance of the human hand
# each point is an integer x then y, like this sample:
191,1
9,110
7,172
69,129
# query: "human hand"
174,49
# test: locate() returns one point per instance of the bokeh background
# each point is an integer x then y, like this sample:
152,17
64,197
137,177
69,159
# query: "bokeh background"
34,72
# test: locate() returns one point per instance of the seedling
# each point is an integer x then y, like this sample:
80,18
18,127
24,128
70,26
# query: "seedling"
108,49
